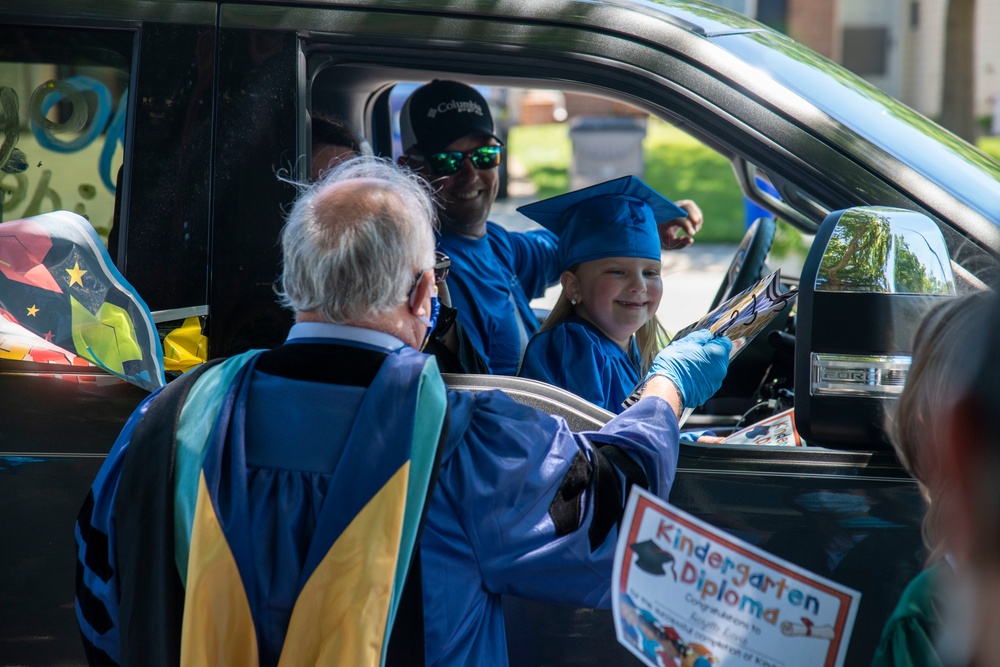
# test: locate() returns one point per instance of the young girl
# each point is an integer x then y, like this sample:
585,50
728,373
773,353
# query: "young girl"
602,334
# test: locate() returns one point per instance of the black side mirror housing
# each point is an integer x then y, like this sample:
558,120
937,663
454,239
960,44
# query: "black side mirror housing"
869,278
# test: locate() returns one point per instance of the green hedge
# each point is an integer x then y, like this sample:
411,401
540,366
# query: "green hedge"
677,166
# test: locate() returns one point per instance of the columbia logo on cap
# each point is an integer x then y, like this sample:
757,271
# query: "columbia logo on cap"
454,105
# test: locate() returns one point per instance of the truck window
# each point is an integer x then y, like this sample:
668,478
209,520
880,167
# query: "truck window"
63,100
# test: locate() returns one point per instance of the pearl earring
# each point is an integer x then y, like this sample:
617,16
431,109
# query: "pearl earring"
572,302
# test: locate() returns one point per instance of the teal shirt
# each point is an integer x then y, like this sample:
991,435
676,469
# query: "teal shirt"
909,634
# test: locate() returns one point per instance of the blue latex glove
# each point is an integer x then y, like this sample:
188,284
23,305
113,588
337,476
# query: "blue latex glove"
696,364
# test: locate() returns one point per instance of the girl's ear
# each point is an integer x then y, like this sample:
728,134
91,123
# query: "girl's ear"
570,285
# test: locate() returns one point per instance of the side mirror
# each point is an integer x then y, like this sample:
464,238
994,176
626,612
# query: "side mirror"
868,280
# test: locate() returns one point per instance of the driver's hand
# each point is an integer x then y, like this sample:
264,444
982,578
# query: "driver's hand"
690,225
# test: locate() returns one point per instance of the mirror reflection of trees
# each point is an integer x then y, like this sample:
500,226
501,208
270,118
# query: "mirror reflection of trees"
856,255
867,253
913,276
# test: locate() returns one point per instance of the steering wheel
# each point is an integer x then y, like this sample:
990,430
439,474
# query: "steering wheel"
747,266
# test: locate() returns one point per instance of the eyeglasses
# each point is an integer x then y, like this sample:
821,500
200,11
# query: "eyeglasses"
449,162
442,265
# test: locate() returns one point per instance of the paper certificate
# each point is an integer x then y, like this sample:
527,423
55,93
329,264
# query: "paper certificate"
777,430
686,594
740,319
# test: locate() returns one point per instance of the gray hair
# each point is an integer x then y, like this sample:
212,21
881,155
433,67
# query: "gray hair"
352,259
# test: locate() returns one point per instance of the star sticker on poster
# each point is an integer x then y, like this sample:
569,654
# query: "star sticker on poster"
76,275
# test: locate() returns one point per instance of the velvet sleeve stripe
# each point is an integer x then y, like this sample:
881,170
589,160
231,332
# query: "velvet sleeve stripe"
615,474
96,541
610,478
93,579
91,607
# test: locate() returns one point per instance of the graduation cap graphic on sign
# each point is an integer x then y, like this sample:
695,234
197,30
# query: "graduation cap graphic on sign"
652,557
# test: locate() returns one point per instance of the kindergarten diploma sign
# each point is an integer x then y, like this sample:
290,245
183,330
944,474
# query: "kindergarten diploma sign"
689,595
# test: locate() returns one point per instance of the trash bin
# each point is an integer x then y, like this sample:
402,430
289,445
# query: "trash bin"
605,147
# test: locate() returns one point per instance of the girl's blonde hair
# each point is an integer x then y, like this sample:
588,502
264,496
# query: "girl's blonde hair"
649,339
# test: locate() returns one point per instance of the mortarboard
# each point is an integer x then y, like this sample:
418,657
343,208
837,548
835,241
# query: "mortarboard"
616,218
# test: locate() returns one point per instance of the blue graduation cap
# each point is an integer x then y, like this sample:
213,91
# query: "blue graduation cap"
612,219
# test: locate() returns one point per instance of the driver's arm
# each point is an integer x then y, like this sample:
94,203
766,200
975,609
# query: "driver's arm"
690,225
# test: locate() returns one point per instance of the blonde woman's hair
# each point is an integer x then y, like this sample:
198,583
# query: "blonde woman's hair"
649,339
940,370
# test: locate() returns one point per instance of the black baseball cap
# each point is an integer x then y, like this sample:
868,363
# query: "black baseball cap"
440,113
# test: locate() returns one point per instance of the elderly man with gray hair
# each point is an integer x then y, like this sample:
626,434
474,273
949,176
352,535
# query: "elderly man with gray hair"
273,506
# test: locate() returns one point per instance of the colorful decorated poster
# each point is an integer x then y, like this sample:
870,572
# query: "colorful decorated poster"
686,594
777,430
63,301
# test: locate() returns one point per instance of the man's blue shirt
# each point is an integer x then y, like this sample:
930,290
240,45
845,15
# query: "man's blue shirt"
492,282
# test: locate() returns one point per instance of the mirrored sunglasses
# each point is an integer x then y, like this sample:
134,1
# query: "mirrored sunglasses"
449,162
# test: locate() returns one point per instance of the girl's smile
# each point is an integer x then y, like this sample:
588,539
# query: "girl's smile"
616,294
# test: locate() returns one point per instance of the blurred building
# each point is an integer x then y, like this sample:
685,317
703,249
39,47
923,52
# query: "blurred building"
897,45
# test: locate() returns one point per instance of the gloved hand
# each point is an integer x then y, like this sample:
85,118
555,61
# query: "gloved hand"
696,364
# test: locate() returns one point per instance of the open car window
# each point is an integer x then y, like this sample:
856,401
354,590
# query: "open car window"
557,140
565,129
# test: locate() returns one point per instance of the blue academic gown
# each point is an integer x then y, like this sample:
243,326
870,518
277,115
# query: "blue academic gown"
488,531
578,357
492,282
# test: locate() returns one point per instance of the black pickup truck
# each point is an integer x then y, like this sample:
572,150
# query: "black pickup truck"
166,122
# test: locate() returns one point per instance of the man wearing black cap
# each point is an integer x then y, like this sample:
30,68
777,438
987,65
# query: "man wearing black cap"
448,137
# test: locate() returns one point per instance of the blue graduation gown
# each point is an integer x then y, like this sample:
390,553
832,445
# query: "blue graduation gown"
578,357
492,282
488,529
